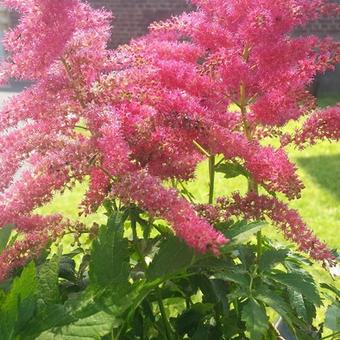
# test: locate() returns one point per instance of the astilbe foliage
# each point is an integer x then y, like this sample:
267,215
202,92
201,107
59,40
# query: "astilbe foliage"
152,106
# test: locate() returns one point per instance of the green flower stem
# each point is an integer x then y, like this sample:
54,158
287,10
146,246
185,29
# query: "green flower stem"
145,267
135,240
211,178
333,335
252,184
165,320
259,245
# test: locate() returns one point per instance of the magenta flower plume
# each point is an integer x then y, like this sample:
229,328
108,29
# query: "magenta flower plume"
323,124
32,49
255,207
204,83
148,193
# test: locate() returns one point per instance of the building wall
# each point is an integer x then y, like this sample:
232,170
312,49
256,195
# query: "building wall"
4,24
132,17
329,83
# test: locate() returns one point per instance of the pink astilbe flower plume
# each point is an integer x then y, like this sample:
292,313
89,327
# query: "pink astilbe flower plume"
36,233
151,196
323,124
41,36
130,118
256,207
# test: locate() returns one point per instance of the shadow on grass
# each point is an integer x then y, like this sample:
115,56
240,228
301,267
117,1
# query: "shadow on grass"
325,170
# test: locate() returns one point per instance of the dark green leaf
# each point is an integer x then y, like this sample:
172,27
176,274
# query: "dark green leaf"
311,311
297,302
48,275
19,304
189,321
231,170
242,231
272,257
270,299
247,255
109,263
5,235
254,315
173,256
221,289
230,327
299,282
333,317
206,332
240,277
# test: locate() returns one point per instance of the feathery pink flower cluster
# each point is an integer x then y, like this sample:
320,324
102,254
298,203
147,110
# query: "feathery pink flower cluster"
323,124
255,207
36,233
149,194
31,46
147,105
250,42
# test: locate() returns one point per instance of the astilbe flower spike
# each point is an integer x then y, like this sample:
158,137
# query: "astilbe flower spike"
256,207
323,124
30,44
147,105
37,232
148,193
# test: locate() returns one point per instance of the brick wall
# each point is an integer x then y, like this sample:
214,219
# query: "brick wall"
132,17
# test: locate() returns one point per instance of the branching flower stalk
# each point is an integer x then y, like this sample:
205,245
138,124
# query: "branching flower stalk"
211,179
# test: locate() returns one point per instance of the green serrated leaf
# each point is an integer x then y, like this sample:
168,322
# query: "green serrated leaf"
243,231
60,320
20,301
298,304
101,309
93,327
231,170
26,311
255,317
299,282
332,320
240,277
109,263
272,257
5,235
173,256
269,298
48,274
